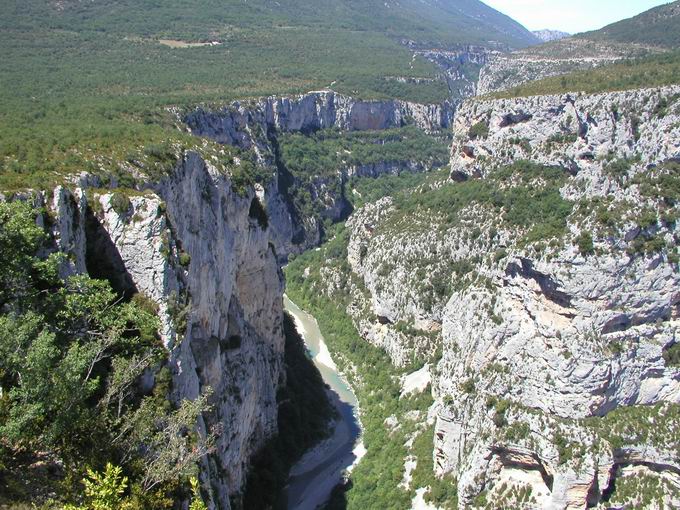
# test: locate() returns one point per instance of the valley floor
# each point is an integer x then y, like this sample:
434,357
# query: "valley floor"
313,478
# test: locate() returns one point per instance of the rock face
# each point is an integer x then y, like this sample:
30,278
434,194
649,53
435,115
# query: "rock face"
256,125
504,72
460,66
559,56
553,375
547,35
581,133
193,246
242,124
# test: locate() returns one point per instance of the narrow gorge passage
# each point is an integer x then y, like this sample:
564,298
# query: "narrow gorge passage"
313,478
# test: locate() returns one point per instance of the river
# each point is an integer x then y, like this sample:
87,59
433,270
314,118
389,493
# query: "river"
313,478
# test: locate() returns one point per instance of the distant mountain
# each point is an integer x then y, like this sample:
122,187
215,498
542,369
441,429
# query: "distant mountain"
547,35
644,39
659,26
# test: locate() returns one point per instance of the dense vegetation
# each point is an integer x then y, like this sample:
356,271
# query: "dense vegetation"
523,196
209,20
71,356
375,482
83,85
652,71
326,152
304,414
322,162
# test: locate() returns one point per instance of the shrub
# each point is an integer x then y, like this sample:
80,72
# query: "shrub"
145,303
671,355
184,259
196,500
104,491
468,386
617,169
479,130
120,203
585,244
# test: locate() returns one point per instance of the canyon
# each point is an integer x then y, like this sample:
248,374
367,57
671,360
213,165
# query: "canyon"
535,343
486,281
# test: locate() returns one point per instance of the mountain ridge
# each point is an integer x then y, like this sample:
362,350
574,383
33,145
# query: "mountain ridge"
659,26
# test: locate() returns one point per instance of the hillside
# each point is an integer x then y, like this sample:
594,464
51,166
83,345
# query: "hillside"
610,51
535,285
435,21
659,26
84,84
653,71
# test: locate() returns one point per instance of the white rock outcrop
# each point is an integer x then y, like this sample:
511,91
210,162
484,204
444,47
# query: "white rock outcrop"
579,132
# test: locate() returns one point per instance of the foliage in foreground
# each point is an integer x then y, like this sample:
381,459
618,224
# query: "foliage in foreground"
71,355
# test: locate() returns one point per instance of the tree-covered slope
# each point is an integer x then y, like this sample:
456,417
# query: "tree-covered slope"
87,83
261,47
437,21
659,26
632,53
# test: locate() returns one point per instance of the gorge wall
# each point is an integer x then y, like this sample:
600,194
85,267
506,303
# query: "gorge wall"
207,249
192,245
503,70
256,125
556,322
539,277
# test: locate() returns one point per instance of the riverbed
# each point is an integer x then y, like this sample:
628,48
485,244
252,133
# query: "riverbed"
313,478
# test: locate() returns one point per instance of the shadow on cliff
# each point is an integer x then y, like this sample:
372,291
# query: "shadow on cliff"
103,260
303,415
287,185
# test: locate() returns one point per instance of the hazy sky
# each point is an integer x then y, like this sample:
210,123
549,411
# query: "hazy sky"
571,15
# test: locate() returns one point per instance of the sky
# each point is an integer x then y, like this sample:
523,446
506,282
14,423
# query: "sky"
571,16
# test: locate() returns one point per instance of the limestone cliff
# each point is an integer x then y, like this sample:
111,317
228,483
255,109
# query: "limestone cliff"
555,385
255,125
581,133
460,67
201,243
502,71
193,245
243,123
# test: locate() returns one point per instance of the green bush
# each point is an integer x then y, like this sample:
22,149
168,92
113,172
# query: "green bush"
479,130
105,491
196,500
617,169
184,259
585,243
120,203
671,355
